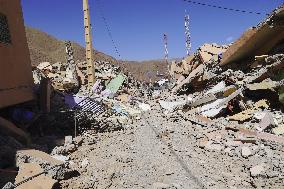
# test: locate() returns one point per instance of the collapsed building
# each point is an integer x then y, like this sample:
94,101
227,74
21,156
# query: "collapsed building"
231,90
237,81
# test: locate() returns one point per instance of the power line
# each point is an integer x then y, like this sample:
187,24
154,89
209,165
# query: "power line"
179,159
108,29
225,8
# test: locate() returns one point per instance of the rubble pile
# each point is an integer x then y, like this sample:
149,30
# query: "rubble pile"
249,89
114,99
217,123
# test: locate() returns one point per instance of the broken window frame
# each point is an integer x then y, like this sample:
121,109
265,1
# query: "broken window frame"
5,35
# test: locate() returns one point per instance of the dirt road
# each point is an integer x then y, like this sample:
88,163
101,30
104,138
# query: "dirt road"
166,151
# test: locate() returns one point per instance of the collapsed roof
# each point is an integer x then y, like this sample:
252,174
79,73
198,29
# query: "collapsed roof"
260,40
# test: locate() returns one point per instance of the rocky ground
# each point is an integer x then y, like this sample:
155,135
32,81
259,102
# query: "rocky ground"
167,151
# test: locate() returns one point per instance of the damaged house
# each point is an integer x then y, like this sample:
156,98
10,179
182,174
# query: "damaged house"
16,79
218,122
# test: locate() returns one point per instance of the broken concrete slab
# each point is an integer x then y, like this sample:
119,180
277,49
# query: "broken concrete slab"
55,168
212,109
211,51
266,121
263,85
196,72
231,96
259,135
256,41
217,88
202,100
278,130
263,73
171,106
247,114
27,170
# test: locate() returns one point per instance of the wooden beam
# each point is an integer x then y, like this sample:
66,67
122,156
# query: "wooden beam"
45,93
8,128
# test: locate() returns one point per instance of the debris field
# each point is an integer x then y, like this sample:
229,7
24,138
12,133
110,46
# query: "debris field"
214,121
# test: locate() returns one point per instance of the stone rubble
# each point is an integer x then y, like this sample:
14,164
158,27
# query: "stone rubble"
209,126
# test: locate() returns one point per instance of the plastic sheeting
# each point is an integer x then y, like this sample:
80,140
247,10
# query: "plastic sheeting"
116,83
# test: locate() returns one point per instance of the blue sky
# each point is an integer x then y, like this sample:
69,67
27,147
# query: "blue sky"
138,25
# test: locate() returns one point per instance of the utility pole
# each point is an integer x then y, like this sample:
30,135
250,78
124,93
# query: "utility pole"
187,34
89,46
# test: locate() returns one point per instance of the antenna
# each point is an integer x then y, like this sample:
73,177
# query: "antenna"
166,47
187,34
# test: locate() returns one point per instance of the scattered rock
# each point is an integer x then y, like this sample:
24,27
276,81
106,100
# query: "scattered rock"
246,152
70,148
212,146
68,140
61,158
257,170
85,163
78,140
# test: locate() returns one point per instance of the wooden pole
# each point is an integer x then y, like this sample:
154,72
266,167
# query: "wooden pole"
89,46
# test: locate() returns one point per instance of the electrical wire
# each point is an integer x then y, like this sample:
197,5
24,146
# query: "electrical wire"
108,28
224,8
179,159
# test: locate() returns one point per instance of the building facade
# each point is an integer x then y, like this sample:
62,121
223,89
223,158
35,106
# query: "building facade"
16,79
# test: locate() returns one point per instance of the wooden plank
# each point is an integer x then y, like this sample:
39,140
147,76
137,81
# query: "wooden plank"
259,135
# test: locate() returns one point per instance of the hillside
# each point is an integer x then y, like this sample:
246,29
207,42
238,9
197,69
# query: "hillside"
145,70
46,48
